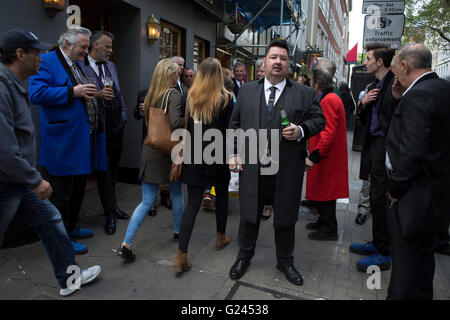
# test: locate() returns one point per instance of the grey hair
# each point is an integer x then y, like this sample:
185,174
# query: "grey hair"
323,78
97,35
238,64
328,65
258,63
175,58
71,35
417,55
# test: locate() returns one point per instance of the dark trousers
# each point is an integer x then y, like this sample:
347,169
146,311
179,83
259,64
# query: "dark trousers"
378,197
442,236
248,232
412,264
68,194
106,180
195,197
327,216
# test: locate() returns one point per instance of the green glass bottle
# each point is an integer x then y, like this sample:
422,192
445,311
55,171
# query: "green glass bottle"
284,120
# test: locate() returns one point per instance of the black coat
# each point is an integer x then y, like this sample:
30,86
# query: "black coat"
137,112
208,175
301,108
385,114
419,151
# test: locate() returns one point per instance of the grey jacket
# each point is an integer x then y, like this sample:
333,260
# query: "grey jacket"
17,142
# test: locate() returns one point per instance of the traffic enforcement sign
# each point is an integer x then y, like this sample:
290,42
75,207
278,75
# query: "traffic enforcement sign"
380,7
387,29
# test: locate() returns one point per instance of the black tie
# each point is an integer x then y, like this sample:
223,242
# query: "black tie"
271,98
100,69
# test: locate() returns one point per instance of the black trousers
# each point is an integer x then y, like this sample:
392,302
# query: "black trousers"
248,232
195,197
442,236
327,216
412,264
106,180
378,197
68,194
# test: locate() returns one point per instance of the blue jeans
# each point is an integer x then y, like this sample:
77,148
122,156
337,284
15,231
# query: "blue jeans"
44,218
149,192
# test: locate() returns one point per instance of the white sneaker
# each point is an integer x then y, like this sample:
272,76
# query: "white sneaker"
87,275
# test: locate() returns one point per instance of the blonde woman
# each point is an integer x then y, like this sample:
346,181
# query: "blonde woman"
155,165
211,104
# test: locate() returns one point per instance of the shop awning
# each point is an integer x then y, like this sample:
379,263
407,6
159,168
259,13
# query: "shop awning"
270,16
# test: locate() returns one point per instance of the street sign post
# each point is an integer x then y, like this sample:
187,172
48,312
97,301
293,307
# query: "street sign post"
384,29
383,7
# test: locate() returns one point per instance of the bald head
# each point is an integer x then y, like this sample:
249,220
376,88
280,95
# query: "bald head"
327,65
417,55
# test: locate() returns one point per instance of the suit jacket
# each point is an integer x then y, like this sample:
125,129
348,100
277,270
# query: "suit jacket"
236,87
89,72
385,114
418,148
64,122
302,109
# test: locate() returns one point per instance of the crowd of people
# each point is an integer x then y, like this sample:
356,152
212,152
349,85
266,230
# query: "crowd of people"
82,120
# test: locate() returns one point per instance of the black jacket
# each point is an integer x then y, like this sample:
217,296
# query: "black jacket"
385,114
419,151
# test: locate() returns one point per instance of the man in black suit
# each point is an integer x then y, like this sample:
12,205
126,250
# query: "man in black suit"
239,73
418,149
377,110
258,108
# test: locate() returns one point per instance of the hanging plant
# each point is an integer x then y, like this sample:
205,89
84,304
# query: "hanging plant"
236,21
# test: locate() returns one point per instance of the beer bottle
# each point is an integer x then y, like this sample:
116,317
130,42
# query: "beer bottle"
284,120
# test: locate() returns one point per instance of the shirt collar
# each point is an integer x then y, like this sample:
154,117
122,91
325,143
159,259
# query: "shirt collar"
415,81
91,60
280,86
68,60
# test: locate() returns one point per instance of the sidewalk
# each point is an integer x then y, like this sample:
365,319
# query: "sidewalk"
328,268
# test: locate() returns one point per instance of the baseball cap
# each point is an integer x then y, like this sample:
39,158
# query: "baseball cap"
14,39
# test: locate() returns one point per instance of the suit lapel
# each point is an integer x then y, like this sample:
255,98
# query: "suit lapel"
66,66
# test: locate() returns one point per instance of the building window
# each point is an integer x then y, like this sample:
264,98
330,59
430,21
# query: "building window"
170,44
199,52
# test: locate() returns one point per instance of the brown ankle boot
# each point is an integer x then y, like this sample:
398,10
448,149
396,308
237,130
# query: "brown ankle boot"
181,262
222,241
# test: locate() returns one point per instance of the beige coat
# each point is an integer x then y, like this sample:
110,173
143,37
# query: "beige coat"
155,165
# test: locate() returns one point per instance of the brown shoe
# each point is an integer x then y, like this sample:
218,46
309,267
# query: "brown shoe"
181,262
222,241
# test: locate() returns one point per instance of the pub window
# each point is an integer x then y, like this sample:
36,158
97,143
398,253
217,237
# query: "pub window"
170,44
199,52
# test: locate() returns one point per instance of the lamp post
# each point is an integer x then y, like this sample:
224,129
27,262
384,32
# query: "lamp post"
153,28
54,6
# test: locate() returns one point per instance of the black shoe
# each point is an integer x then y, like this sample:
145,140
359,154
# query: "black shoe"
166,202
126,254
322,236
292,275
264,217
176,237
445,249
360,219
110,225
121,215
308,203
238,269
314,225
152,212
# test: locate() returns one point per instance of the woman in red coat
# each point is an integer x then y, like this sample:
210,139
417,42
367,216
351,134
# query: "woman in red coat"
327,164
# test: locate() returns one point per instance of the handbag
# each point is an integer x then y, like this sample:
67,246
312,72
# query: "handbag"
176,169
159,131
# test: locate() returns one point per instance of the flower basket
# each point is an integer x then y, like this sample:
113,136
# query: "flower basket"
236,28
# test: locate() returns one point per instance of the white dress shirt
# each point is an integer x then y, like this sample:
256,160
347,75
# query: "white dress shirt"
94,65
280,87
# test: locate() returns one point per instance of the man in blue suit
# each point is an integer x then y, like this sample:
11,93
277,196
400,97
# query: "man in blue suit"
112,115
72,144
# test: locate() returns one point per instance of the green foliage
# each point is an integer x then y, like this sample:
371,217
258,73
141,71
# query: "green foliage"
427,20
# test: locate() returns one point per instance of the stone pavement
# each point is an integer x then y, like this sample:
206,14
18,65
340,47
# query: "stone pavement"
328,268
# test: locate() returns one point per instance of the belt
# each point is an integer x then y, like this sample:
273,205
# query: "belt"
378,140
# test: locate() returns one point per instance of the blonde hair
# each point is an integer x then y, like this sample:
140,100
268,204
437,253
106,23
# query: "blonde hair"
161,82
207,93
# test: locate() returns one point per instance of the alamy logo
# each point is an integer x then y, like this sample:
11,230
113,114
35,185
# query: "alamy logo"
74,280
374,281
256,146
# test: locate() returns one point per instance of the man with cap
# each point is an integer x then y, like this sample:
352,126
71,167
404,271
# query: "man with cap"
23,191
